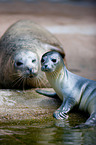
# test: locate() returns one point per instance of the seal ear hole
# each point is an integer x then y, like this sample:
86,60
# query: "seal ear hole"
54,60
34,60
19,63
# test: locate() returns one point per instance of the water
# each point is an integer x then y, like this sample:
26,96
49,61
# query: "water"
46,133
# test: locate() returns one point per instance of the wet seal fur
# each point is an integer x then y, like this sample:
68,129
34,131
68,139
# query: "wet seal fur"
72,89
21,49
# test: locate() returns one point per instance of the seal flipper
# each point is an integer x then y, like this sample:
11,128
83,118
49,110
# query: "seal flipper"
66,106
48,93
91,121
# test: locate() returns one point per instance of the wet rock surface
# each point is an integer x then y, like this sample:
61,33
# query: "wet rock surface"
25,105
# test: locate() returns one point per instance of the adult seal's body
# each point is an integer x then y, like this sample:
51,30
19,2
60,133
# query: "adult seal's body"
21,49
72,89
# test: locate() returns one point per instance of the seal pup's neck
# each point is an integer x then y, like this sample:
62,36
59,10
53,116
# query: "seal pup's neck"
59,74
55,70
55,79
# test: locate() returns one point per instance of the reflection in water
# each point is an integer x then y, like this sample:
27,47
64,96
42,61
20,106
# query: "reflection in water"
49,133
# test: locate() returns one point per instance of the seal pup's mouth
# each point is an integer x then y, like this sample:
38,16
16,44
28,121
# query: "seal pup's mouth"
46,68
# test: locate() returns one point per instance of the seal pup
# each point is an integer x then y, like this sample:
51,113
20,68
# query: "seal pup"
72,89
21,49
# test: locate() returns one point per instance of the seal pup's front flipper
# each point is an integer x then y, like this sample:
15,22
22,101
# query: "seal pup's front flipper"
48,93
67,105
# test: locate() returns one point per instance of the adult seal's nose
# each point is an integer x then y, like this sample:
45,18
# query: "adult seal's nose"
32,72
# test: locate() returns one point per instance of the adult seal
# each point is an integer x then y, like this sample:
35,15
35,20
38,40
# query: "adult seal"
71,88
21,49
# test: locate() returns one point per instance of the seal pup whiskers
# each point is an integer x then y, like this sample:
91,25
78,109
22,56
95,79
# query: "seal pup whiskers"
71,88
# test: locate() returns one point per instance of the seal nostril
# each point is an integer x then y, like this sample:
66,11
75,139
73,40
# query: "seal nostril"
45,66
30,70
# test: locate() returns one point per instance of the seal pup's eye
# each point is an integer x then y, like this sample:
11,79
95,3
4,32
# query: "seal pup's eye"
34,60
19,63
42,60
54,60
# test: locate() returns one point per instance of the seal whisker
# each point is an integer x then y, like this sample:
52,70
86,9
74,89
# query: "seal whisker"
17,78
44,81
18,81
38,80
42,77
24,83
14,74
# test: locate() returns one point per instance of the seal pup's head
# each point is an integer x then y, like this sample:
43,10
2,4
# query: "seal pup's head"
51,61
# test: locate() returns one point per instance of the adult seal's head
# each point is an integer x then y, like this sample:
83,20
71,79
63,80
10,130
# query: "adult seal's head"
72,89
21,49
26,64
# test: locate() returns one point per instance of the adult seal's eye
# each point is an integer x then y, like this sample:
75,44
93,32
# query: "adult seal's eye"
54,60
19,63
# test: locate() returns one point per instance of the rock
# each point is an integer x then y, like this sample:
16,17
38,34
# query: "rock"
25,105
